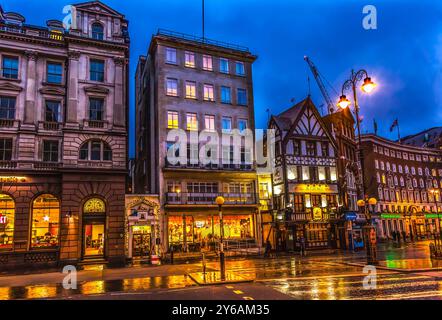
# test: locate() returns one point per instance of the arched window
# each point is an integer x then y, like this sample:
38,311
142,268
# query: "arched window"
97,31
95,150
45,222
7,215
94,206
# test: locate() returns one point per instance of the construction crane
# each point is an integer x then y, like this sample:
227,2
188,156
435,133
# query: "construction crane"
318,77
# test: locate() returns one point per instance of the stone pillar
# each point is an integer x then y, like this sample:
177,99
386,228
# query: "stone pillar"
119,93
72,103
29,115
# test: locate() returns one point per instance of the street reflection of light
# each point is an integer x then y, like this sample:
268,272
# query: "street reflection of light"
331,290
136,284
41,292
93,287
315,291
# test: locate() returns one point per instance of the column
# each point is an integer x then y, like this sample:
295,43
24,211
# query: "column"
72,103
119,93
29,114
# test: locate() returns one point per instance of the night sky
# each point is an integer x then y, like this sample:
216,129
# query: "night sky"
404,55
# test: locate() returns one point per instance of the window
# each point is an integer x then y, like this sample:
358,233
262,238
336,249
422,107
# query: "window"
321,174
7,108
50,151
5,149
223,65
227,124
52,111
240,70
226,95
242,97
242,124
208,92
171,55
324,148
10,67
305,173
209,121
376,164
97,31
333,174
95,150
172,120
190,90
97,70
311,148
96,109
54,72
189,59
7,220
172,87
207,63
192,122
45,222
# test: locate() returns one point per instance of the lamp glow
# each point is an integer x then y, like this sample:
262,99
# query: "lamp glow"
344,103
368,85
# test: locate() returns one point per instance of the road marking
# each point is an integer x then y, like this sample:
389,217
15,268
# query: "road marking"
229,287
248,298
238,292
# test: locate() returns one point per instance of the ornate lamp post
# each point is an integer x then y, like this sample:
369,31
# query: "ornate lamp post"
367,87
220,201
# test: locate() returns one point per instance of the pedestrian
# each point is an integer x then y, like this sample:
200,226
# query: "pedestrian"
404,235
394,236
303,247
268,249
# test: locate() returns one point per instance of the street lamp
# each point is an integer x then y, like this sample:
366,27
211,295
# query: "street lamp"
220,201
369,229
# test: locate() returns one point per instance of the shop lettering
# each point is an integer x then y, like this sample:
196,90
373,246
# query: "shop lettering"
183,310
3,219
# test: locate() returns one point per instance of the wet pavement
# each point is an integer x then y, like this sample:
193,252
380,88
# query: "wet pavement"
331,276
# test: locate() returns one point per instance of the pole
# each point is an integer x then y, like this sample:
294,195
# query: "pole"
221,246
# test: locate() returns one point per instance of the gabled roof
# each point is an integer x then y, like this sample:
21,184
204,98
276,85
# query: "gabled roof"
98,7
285,119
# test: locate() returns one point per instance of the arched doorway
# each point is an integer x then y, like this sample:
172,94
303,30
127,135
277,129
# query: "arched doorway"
7,218
94,229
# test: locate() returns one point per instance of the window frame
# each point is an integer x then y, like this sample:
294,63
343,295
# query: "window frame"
4,76
95,62
51,151
8,108
191,84
243,73
103,108
238,100
49,74
105,148
58,117
172,51
171,92
209,92
94,24
4,149
173,113
191,62
221,61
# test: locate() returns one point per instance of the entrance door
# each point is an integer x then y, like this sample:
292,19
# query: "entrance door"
141,241
93,240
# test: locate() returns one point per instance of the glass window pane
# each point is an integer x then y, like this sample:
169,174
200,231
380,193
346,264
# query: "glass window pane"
224,65
242,97
95,150
7,108
52,112
190,90
10,67
96,109
97,70
97,31
226,95
54,73
7,218
208,92
45,222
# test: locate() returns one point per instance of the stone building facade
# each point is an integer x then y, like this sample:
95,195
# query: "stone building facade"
198,86
63,137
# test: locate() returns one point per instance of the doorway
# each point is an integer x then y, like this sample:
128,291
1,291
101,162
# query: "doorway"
141,241
93,240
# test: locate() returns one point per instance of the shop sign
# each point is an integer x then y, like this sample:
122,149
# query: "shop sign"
317,214
12,179
3,219
433,216
390,216
314,188
352,216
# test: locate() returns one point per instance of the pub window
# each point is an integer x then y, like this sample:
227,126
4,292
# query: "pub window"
5,149
10,67
95,150
7,218
97,31
97,70
96,109
45,222
7,107
50,151
54,72
52,111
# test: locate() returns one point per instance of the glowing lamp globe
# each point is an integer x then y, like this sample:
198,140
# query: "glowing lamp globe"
343,103
372,201
361,203
220,201
368,85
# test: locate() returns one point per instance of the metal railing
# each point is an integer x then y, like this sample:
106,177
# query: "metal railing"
183,36
209,198
8,164
212,166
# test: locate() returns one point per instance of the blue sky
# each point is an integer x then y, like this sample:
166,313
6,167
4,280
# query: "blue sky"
404,55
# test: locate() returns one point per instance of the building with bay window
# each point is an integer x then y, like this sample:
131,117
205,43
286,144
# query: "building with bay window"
305,178
63,138
407,181
195,88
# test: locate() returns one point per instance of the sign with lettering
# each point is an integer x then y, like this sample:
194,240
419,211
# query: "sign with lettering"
12,179
317,214
315,188
3,219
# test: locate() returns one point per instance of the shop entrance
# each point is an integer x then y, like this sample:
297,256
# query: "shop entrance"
141,241
93,240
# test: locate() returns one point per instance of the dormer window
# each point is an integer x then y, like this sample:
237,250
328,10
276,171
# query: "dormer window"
97,31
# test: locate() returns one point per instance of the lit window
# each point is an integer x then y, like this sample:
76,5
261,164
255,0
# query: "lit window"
333,175
7,108
171,55
209,121
189,59
96,70
97,31
54,72
226,124
50,151
207,63
10,67
190,90
172,119
242,97
240,70
45,222
321,173
172,87
7,218
192,122
208,92
95,150
305,173
223,65
226,95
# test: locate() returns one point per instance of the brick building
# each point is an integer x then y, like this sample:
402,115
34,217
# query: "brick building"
63,138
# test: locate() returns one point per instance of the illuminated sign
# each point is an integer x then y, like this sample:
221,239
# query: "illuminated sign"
317,214
3,219
12,179
433,216
315,188
391,216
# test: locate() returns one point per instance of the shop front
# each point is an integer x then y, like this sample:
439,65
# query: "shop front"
200,232
143,227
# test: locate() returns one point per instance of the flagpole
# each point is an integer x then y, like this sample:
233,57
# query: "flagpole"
398,133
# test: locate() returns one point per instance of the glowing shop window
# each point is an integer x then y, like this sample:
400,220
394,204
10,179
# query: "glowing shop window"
94,206
7,213
305,173
45,221
333,176
321,172
308,201
292,173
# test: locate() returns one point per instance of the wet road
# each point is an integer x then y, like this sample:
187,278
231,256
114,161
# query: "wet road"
315,277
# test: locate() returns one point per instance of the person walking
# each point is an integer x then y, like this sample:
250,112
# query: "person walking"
268,249
393,233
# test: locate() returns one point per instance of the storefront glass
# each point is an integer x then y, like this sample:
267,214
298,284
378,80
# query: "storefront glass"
45,222
7,213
